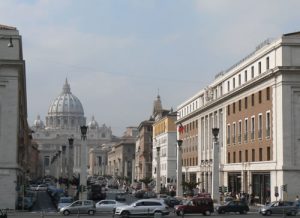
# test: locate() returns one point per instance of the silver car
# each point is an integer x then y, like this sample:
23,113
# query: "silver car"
79,207
279,207
108,205
143,207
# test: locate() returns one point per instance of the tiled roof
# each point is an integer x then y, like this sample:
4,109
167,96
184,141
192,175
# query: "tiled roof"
3,27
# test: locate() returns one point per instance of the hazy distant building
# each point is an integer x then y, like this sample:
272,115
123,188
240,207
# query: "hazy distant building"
63,121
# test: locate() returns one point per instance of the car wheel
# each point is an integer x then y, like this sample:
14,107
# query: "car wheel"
158,213
268,212
66,212
207,213
125,214
222,211
293,213
91,212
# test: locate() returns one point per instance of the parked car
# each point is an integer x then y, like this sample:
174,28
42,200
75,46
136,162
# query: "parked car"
143,207
3,213
79,207
25,203
107,205
233,206
279,207
121,196
41,187
172,201
196,205
63,202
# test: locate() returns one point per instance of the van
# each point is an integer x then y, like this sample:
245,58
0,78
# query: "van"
202,205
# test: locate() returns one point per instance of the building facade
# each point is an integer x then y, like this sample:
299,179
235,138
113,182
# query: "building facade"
255,104
63,121
15,135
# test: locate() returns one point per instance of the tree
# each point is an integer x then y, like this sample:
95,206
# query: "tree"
189,186
146,181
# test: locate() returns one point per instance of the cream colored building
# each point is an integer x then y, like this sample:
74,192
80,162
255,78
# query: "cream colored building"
255,103
16,162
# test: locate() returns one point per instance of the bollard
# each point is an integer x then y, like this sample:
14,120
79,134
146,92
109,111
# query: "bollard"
42,214
78,213
182,214
114,211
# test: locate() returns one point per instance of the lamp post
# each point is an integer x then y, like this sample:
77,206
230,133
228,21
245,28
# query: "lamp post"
216,170
179,169
158,170
83,165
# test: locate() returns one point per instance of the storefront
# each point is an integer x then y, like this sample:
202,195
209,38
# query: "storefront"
234,183
261,187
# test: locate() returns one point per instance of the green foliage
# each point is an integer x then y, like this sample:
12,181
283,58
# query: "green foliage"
146,181
190,185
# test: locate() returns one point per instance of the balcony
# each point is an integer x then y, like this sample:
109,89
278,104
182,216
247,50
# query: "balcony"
252,135
268,132
228,140
239,138
233,139
259,133
246,136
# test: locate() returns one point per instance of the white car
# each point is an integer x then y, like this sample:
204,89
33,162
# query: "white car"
108,205
143,207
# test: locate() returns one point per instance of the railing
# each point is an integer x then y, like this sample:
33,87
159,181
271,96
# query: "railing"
268,132
240,138
246,137
259,133
252,135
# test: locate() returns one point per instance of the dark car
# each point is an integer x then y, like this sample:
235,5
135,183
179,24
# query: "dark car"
171,201
233,206
196,205
121,197
279,207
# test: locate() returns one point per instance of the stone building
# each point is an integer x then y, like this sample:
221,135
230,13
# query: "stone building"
15,136
255,104
63,121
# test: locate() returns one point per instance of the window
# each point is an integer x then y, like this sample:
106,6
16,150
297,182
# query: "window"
260,154
228,86
246,102
252,127
252,72
268,127
233,133
240,132
245,76
240,105
240,156
234,160
233,83
233,108
252,99
246,155
253,154
228,157
246,130
240,80
228,110
259,126
268,63
268,93
228,134
268,153
259,67
259,97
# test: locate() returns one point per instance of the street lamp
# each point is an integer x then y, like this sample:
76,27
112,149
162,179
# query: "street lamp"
216,162
179,169
158,170
83,166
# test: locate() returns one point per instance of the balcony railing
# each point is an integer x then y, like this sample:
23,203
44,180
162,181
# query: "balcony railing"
252,135
268,132
228,140
233,139
259,133
246,136
239,138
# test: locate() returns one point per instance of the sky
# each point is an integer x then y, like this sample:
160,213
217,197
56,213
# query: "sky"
118,55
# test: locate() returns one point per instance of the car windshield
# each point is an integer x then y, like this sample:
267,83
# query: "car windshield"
65,200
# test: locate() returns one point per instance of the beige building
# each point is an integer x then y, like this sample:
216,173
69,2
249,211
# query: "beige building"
255,104
16,167
121,157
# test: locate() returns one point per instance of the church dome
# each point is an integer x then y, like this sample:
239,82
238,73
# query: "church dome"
93,124
38,123
66,110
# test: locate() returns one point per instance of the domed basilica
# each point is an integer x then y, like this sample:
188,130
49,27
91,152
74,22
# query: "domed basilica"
63,121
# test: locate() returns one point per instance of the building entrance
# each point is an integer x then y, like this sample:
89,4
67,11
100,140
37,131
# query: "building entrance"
234,183
261,187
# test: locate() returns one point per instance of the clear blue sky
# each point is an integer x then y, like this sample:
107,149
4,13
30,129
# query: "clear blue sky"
116,54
